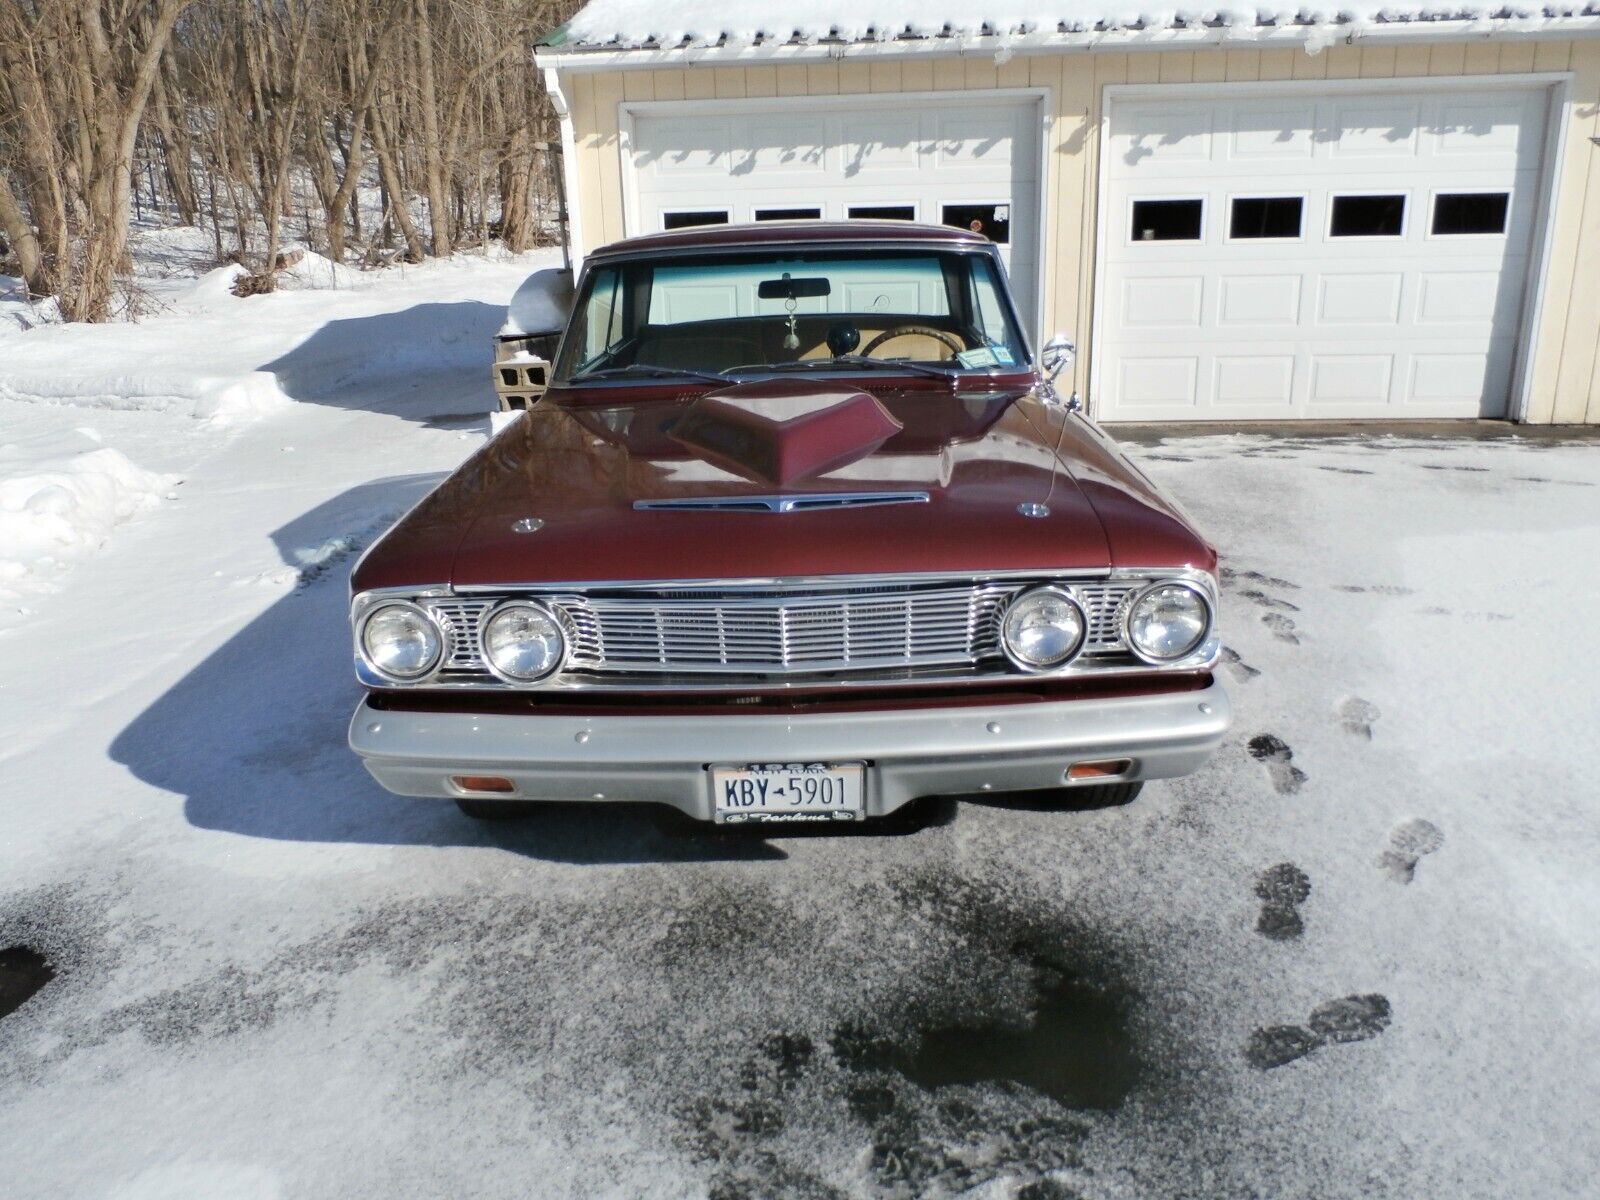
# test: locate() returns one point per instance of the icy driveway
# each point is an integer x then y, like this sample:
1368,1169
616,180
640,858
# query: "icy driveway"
274,980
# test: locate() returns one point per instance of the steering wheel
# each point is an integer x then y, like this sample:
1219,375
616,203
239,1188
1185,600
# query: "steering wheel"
938,335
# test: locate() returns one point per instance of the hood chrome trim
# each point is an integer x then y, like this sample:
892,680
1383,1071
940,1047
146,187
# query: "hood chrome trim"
782,504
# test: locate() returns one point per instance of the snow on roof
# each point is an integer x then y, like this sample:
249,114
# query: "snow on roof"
622,24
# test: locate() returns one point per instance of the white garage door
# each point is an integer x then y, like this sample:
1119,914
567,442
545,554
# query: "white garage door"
973,165
1348,254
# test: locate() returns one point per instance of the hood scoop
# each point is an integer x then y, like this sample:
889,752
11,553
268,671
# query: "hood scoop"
779,431
784,504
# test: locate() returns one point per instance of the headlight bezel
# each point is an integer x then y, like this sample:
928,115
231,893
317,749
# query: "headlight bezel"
562,628
430,621
1060,592
1207,606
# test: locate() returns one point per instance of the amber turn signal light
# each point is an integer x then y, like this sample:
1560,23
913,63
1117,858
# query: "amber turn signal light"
483,783
1104,769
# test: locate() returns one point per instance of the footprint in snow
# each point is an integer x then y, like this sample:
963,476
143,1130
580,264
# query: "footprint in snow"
1351,1018
1282,627
1258,597
1230,575
1358,717
1408,842
1241,669
1357,1018
1282,889
1274,752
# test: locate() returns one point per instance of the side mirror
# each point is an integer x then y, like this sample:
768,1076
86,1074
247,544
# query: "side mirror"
1057,353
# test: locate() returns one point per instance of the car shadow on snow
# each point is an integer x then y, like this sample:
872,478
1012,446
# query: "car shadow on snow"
428,363
253,737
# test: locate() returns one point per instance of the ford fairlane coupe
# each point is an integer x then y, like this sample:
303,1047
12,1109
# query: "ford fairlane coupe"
800,530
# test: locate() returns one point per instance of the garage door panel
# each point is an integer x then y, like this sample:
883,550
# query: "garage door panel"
1249,379
873,143
964,139
1449,378
687,148
1359,298
1158,135
1397,320
1276,132
1162,302
1158,382
1453,297
1350,379
1492,125
1381,128
1255,300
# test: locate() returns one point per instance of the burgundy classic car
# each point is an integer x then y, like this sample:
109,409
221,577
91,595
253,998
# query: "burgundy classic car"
801,529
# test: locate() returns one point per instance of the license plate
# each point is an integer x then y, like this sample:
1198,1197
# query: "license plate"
788,792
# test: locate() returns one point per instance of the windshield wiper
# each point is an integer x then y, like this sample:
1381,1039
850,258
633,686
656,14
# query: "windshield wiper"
647,371
849,360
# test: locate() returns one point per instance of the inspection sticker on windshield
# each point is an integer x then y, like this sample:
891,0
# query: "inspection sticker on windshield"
978,356
788,792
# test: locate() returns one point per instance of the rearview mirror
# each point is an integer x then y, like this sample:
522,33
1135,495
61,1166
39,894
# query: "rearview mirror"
1057,353
789,288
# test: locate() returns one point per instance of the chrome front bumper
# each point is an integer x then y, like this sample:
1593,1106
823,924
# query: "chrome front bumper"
908,752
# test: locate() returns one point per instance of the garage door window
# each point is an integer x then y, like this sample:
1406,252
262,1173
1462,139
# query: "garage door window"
1367,216
699,216
883,212
991,220
1275,217
788,214
1470,212
1168,220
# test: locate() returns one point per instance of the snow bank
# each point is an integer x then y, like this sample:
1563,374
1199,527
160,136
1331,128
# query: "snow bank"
217,399
17,311
61,510
540,305
313,270
672,22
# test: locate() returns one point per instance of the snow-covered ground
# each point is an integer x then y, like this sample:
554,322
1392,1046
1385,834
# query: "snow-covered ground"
1357,955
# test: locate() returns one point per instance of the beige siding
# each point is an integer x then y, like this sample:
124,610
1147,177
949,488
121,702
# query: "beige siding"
1566,351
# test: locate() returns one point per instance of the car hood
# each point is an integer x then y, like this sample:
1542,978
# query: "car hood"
580,477
556,497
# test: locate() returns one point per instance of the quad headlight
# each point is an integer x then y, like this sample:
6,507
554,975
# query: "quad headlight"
401,641
1043,629
1168,621
523,642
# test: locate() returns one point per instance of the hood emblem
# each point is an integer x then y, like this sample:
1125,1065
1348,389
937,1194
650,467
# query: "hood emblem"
527,525
778,432
1034,510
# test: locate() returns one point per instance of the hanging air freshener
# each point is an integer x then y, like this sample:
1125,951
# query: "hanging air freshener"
792,341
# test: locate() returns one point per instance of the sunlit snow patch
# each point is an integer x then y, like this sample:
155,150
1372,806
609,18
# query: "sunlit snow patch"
63,509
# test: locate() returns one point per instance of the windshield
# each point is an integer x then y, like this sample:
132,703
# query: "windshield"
935,312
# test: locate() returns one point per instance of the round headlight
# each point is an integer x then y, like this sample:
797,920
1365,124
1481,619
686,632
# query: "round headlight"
522,643
1043,629
1168,622
401,641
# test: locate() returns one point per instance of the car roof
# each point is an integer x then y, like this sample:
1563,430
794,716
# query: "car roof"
763,232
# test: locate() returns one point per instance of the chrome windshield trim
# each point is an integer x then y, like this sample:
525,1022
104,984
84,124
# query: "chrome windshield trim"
782,504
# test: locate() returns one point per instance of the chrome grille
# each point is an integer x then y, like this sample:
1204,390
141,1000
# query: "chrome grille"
783,631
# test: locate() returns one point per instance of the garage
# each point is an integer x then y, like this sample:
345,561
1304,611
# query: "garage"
1292,252
974,165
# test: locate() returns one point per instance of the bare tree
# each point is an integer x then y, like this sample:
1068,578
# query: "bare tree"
265,120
